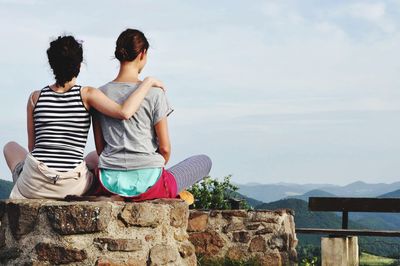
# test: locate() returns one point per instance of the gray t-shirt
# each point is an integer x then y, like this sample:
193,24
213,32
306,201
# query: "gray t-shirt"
132,144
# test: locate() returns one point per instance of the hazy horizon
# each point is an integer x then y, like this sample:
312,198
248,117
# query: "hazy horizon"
272,91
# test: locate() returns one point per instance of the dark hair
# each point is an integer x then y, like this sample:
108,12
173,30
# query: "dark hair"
65,56
130,44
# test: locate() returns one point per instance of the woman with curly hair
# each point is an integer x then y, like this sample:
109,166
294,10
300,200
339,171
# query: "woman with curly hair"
58,122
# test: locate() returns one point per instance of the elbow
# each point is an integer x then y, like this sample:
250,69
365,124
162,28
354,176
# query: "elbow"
165,150
124,115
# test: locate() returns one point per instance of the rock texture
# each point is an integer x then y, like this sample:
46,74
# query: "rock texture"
45,232
158,232
267,236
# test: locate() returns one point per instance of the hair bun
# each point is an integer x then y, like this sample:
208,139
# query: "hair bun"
130,44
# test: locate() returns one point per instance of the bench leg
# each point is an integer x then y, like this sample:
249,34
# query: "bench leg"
339,251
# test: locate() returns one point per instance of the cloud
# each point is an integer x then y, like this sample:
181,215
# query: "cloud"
368,11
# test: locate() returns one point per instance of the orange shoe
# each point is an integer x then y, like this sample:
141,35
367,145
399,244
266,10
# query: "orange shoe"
186,196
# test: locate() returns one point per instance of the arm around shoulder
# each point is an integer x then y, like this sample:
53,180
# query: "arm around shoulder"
95,98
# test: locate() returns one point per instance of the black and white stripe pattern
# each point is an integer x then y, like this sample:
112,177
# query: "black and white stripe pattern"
191,171
61,128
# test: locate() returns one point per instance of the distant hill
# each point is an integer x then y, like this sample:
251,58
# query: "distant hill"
5,188
392,194
252,202
381,221
313,193
362,189
273,192
308,219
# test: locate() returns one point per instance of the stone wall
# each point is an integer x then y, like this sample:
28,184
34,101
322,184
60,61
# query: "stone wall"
38,232
159,232
267,236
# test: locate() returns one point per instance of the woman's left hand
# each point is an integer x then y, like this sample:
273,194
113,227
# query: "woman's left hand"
155,83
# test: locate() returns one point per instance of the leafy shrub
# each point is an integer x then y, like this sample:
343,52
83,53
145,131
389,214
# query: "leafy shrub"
309,255
214,194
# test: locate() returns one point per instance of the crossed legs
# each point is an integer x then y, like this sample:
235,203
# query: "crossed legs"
14,154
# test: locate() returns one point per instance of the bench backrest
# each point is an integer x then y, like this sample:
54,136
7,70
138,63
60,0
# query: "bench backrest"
354,204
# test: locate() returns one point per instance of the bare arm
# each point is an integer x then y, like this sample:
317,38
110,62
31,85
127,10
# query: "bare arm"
95,98
164,144
98,134
30,123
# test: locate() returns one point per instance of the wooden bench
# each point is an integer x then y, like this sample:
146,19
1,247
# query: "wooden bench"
341,247
346,205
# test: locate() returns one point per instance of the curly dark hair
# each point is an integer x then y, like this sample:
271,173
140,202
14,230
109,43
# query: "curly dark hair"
130,44
65,56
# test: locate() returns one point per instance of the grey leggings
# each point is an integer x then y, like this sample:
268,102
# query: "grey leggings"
191,170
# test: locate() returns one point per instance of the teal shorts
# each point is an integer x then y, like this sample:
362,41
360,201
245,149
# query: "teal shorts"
129,183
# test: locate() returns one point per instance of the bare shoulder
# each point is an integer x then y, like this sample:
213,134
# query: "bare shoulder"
87,92
87,89
34,96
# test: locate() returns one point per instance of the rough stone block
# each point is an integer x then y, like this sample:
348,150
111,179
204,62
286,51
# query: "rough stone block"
162,255
207,243
257,244
141,214
22,217
265,216
233,226
186,250
279,241
2,209
58,254
237,253
253,226
179,214
118,262
37,263
181,235
271,259
78,218
179,211
264,231
242,236
227,214
2,237
214,213
198,221
7,254
118,244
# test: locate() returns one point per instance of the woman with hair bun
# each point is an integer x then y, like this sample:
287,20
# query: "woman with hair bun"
134,152
58,121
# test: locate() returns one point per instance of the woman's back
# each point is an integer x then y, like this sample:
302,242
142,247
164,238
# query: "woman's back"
132,144
61,124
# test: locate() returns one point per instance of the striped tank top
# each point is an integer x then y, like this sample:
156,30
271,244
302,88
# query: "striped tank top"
61,124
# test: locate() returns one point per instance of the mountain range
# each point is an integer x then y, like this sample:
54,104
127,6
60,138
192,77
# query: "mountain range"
272,192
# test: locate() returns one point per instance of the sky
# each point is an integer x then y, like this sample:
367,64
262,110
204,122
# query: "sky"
273,91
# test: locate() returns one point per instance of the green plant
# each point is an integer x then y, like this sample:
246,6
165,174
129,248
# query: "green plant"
309,262
309,255
214,194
